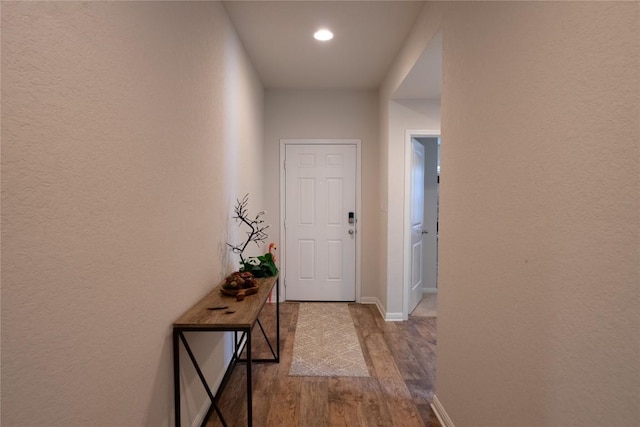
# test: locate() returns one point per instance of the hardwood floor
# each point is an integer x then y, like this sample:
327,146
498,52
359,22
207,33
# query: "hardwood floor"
400,357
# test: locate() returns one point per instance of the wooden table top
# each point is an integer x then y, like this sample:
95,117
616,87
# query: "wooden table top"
245,313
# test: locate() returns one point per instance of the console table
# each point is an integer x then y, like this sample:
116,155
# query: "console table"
238,317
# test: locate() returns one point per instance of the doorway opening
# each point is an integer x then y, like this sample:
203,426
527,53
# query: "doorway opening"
422,177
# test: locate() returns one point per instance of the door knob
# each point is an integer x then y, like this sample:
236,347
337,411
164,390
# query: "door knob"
425,231
352,231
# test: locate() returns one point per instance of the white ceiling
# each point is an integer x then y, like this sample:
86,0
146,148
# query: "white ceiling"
278,37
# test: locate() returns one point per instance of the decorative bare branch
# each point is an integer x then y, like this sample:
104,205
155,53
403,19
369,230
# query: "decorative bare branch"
257,227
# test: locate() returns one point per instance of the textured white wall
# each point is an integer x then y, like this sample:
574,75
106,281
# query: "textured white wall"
382,182
538,319
538,309
309,114
127,129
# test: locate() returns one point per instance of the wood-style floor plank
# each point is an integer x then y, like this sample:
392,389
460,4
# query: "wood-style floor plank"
285,403
400,357
314,402
356,401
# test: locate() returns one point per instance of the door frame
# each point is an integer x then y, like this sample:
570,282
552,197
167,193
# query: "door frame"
406,279
283,147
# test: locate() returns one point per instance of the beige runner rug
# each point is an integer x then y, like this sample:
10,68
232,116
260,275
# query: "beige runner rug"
326,343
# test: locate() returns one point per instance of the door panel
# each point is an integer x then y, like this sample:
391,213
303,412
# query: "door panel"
306,201
417,223
306,259
320,183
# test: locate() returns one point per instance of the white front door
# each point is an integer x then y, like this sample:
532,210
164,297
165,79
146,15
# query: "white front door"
320,239
417,224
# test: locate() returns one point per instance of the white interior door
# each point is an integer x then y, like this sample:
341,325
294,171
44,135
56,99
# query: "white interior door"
430,225
320,240
417,223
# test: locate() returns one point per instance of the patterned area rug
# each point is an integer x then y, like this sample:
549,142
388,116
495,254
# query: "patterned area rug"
326,343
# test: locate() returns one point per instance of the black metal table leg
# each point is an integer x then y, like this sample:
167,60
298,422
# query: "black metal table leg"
249,384
176,376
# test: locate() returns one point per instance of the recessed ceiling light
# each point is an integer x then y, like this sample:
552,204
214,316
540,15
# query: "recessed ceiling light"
323,35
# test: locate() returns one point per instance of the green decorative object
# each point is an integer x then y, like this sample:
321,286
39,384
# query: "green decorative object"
260,266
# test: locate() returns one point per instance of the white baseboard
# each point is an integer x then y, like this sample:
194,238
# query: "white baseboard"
389,317
441,414
429,290
393,317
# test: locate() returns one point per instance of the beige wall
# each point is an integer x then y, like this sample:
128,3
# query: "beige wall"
538,320
337,114
127,131
383,219
539,255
